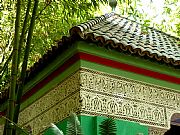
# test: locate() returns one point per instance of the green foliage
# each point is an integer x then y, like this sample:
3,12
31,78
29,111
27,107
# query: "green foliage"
7,18
108,127
73,125
54,130
144,27
164,17
178,29
54,19
178,23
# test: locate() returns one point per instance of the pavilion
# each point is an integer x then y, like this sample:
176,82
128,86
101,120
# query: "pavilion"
107,67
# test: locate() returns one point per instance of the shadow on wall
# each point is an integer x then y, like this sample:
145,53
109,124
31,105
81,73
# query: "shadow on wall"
174,130
175,125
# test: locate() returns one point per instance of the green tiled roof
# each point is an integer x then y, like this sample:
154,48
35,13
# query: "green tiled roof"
127,35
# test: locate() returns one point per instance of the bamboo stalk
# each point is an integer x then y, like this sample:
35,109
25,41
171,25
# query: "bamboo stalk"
23,33
19,52
11,100
26,55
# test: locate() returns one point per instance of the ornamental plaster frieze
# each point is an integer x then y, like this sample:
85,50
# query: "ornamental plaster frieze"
156,131
118,107
96,93
53,97
55,114
128,88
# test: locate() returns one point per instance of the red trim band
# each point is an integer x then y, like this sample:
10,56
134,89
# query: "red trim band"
55,73
102,61
130,68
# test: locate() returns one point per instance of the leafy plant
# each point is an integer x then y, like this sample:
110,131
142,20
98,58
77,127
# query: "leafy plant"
55,130
73,125
23,53
53,19
144,27
108,127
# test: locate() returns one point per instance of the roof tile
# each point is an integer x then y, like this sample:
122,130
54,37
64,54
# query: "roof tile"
118,30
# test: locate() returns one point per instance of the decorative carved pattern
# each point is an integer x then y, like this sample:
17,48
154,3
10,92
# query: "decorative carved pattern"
100,104
96,93
57,113
156,131
152,97
49,100
127,88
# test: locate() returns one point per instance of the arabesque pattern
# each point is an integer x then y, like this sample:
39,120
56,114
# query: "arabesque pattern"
156,131
54,106
92,92
131,89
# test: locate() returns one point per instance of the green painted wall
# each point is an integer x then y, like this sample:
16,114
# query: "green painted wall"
44,73
91,123
102,52
130,75
52,84
126,58
61,125
90,126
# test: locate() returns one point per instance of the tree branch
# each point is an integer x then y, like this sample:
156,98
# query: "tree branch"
48,4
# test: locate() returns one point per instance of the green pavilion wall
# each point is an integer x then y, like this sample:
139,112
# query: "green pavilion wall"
95,91
90,126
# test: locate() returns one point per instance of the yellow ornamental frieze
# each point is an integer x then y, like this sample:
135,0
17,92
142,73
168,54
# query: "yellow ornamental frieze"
102,104
54,96
55,114
156,131
107,83
96,93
